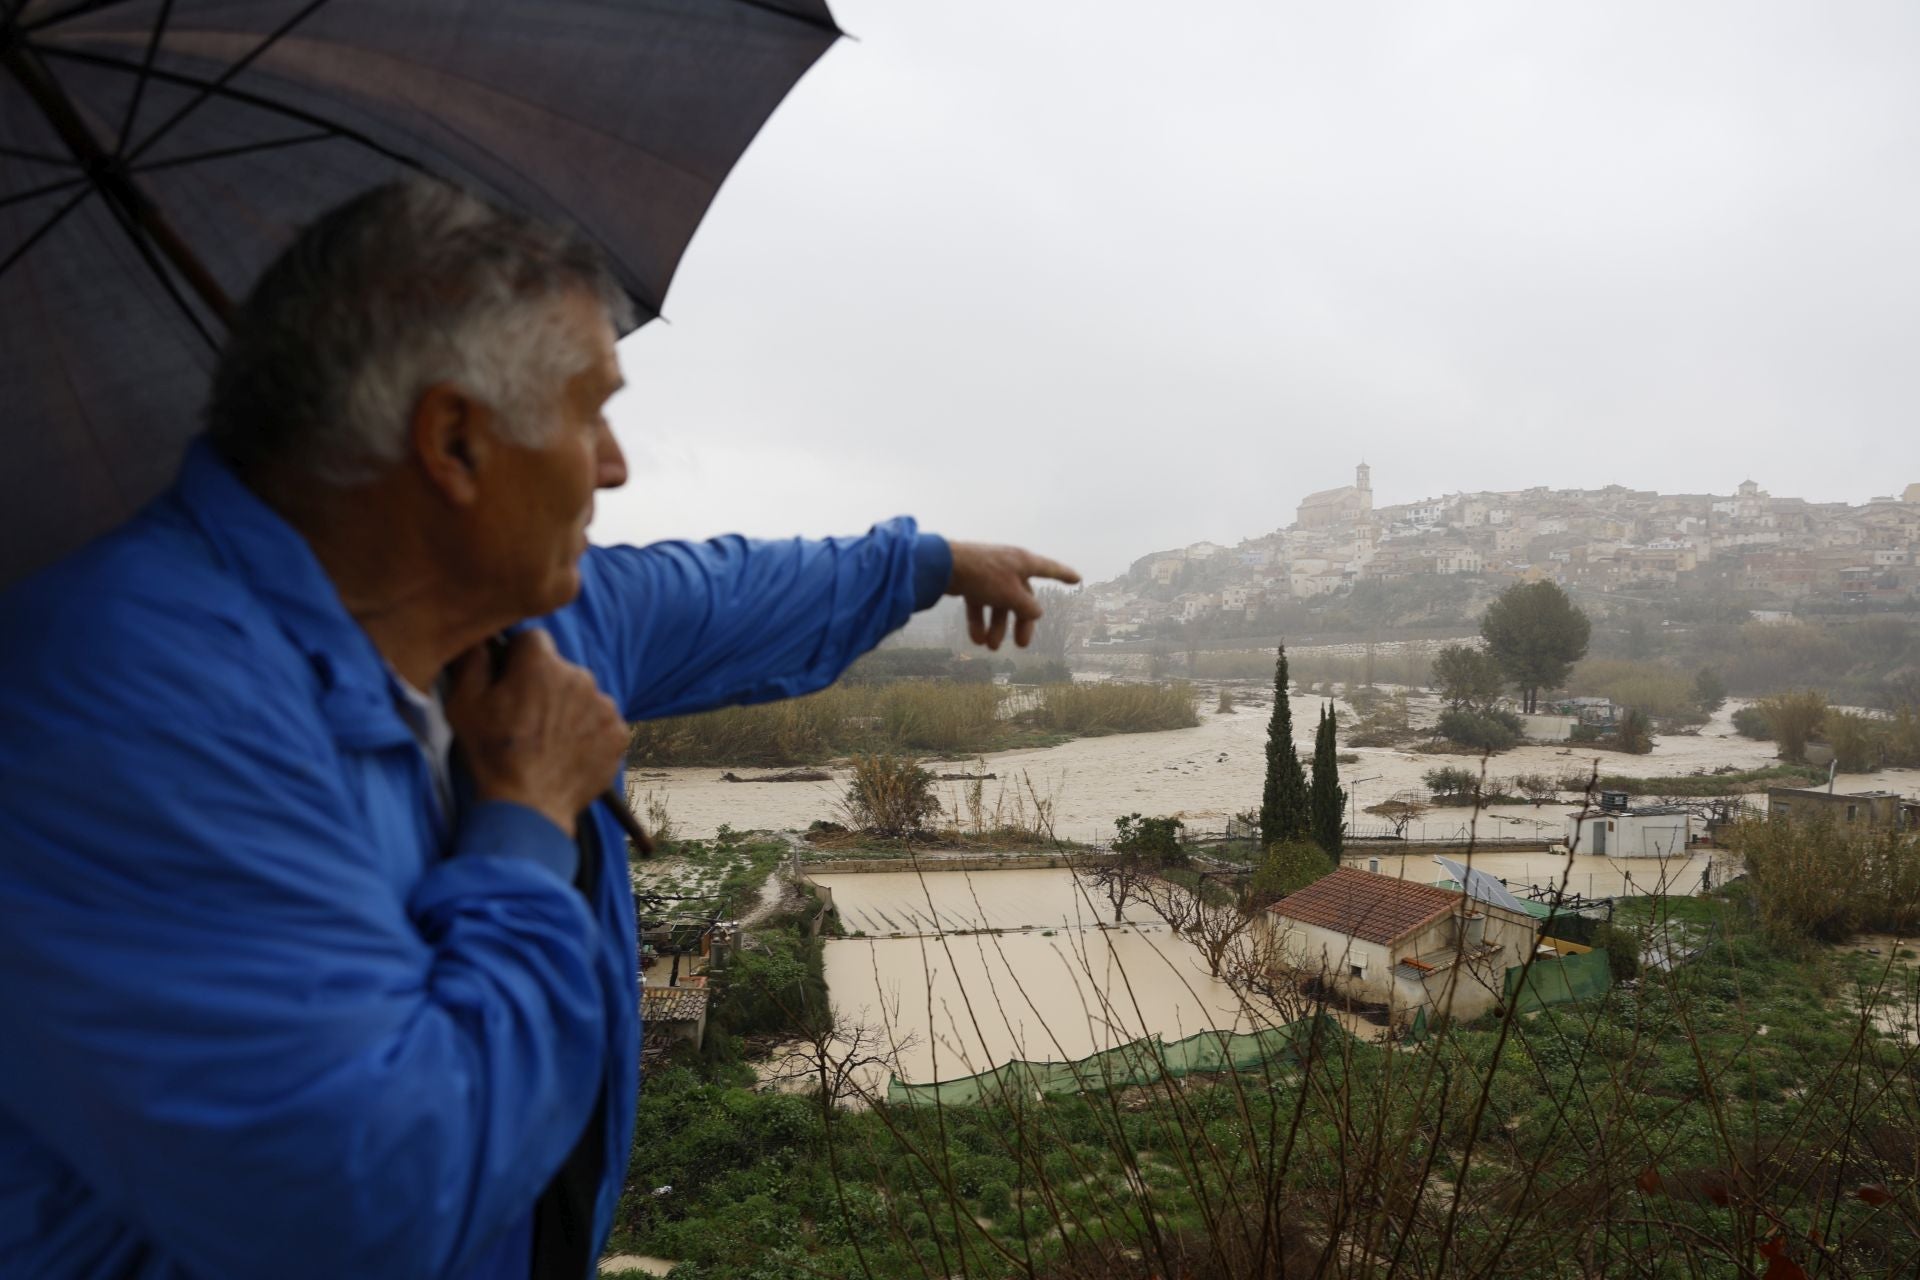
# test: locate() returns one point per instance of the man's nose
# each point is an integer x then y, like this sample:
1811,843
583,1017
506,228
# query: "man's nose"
610,462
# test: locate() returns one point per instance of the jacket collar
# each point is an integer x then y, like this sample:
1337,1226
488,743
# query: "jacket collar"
279,569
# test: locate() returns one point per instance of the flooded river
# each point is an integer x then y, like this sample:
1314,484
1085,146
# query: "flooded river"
1215,769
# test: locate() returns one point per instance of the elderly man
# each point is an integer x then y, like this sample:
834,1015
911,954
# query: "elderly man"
318,954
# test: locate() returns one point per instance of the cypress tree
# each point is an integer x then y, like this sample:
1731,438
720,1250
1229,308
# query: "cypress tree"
1326,799
1283,803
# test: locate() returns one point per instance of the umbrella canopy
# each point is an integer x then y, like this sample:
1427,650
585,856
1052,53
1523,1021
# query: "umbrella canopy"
155,155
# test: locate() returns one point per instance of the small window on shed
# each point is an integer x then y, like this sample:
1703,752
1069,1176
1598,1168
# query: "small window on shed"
1358,971
1853,813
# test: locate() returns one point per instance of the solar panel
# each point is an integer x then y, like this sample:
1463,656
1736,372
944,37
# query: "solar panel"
1478,885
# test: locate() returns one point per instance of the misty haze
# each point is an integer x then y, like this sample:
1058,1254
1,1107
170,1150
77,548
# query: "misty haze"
1486,434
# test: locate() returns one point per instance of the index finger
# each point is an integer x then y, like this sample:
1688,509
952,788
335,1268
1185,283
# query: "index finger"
1042,567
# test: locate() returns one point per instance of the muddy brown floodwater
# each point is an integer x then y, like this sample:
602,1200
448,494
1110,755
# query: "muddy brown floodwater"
1582,874
1058,986
1215,769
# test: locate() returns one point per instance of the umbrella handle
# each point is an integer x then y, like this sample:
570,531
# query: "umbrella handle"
616,803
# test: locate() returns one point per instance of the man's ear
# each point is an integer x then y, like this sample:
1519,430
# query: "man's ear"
452,439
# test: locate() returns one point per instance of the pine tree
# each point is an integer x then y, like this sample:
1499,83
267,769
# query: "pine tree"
1326,800
1283,803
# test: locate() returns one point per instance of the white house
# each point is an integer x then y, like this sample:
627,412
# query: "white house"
1409,946
1618,829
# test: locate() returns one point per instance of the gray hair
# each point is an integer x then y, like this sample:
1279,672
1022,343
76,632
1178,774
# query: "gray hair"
413,283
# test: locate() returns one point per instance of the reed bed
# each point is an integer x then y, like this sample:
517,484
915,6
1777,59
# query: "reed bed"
1090,709
920,716
914,716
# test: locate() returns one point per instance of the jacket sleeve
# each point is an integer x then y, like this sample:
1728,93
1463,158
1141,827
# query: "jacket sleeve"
690,626
226,1017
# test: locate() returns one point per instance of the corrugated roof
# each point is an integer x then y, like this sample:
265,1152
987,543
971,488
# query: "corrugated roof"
1367,906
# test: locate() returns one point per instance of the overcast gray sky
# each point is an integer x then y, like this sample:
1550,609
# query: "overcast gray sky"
1106,276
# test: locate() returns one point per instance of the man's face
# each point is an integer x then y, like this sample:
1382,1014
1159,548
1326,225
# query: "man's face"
538,501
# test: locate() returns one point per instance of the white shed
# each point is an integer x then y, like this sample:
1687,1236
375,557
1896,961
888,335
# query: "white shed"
1618,829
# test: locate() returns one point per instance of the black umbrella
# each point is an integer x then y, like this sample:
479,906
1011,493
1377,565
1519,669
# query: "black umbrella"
156,154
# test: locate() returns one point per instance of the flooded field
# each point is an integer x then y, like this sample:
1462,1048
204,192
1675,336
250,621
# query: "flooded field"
1209,772
1582,874
1061,987
881,903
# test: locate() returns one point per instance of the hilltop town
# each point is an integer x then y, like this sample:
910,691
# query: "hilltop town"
1773,550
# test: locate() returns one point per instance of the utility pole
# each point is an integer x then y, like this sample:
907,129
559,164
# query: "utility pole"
1353,798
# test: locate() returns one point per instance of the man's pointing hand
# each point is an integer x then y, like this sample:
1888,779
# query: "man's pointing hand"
993,581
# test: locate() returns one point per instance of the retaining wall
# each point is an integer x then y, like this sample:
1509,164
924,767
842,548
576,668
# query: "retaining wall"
1006,861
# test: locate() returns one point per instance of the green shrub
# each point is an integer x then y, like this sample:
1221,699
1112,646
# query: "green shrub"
1751,722
1633,735
1287,868
774,984
1449,783
1795,718
1860,743
1153,841
1816,879
1490,730
890,795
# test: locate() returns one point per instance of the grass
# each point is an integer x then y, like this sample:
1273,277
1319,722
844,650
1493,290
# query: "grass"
914,716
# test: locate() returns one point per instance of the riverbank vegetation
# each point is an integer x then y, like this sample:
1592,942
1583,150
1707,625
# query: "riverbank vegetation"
1732,782
1861,741
917,716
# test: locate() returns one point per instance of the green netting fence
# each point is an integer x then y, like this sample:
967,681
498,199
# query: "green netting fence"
1582,977
1137,1062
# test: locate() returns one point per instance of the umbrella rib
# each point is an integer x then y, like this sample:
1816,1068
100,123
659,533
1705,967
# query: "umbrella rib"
646,304
52,222
77,11
220,82
21,197
38,157
224,153
237,95
146,74
36,294
144,246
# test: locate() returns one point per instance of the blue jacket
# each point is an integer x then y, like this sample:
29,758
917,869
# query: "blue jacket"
260,1009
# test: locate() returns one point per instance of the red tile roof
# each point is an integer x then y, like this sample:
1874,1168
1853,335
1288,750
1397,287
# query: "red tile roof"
673,1004
1368,906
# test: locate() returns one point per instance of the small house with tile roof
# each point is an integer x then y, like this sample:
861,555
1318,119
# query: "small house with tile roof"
1409,946
673,1015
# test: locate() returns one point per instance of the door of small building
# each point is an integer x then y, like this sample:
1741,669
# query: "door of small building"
1599,837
